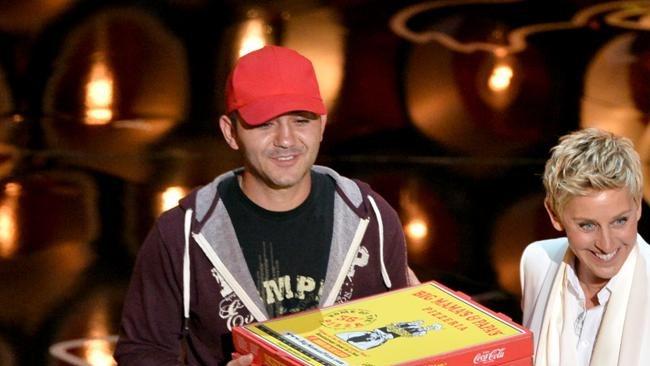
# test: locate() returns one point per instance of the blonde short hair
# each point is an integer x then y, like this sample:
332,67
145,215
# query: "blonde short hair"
587,160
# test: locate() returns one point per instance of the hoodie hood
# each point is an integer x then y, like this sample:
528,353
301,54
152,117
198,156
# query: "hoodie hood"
204,200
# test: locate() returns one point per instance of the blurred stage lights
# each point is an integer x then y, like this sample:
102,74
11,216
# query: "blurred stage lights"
254,34
498,81
96,351
621,14
416,229
99,95
616,95
500,78
8,220
86,333
169,198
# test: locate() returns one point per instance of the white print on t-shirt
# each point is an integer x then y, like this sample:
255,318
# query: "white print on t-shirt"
278,289
230,305
225,289
361,260
229,310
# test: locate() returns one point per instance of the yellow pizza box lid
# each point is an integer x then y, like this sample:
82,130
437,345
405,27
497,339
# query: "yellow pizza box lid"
427,324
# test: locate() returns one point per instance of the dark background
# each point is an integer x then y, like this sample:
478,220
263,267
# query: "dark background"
414,118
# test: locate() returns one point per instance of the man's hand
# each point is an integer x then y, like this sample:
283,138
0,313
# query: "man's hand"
244,360
412,278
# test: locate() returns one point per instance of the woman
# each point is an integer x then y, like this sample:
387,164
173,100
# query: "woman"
586,296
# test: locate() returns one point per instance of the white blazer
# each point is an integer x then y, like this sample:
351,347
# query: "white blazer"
538,267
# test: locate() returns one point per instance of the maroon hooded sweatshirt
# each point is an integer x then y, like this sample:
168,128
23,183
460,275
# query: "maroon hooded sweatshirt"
191,284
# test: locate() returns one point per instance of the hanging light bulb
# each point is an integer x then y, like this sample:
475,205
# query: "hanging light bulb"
169,198
253,34
98,350
8,225
498,80
416,229
99,95
324,45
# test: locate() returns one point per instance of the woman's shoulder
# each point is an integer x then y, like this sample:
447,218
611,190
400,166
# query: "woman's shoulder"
552,249
539,259
644,250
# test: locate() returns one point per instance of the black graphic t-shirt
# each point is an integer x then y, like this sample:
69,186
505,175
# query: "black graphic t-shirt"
286,252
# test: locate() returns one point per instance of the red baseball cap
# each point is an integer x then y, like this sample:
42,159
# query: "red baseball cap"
272,81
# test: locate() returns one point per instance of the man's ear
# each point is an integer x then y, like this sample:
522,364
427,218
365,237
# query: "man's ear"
228,129
555,220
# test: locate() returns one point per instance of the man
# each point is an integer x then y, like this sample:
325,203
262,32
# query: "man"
586,295
277,236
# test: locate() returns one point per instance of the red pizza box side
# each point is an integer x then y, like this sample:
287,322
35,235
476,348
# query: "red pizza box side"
263,352
495,353
526,361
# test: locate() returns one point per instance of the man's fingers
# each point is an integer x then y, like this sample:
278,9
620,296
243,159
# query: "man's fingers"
244,360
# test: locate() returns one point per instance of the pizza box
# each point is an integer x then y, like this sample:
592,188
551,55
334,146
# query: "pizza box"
427,324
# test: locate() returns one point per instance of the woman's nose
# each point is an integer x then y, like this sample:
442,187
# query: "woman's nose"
605,242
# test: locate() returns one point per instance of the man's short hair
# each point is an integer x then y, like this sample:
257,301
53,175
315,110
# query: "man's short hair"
591,159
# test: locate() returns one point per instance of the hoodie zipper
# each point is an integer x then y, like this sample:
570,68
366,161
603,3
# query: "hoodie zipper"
349,257
228,277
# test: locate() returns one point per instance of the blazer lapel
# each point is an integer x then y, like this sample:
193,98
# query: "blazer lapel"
635,346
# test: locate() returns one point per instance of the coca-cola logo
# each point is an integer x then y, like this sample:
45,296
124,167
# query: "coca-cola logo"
486,357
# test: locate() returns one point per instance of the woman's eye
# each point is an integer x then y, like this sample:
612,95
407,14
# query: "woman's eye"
587,226
620,221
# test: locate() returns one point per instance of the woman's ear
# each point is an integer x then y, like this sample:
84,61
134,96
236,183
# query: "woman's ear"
228,129
555,220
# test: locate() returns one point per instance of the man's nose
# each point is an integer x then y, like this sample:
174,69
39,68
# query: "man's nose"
285,135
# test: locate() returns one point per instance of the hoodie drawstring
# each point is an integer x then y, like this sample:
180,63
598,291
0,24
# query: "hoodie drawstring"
380,224
186,270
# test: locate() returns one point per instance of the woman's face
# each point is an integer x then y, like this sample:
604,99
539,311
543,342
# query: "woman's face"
601,227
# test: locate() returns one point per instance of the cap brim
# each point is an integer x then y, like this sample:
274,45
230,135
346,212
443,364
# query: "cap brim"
266,109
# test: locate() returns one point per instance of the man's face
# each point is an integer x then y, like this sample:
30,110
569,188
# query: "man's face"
601,228
280,152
